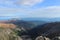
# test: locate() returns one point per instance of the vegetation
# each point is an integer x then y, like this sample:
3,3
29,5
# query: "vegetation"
29,30
9,34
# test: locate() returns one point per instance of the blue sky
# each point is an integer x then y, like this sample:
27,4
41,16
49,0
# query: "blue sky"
29,8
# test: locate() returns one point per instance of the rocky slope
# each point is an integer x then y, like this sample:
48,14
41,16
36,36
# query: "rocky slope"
9,34
49,30
22,30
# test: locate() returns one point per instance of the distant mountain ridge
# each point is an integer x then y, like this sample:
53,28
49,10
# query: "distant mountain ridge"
42,19
33,19
24,23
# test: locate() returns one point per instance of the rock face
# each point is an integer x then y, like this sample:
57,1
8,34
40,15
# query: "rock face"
26,37
56,38
42,38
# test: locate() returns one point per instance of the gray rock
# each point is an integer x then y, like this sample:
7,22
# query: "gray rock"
56,38
26,37
42,38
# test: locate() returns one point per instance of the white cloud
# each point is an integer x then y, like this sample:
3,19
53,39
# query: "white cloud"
47,12
28,2
50,11
20,2
13,12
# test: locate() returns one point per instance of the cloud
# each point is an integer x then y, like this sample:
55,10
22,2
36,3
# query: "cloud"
28,2
49,12
20,2
13,12
46,12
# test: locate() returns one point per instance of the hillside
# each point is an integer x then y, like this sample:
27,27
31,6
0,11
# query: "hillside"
25,24
49,30
9,34
32,29
7,25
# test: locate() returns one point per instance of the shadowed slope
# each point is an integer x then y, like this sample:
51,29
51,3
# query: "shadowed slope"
49,30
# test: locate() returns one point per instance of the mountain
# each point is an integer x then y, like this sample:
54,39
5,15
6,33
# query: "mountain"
22,23
42,19
9,34
50,30
33,19
33,28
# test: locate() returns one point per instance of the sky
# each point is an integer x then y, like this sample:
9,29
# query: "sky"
29,8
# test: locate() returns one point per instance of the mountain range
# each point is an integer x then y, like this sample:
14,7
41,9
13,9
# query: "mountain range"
34,19
42,19
34,27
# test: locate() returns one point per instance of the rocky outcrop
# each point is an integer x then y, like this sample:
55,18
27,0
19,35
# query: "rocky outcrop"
26,37
56,38
42,38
